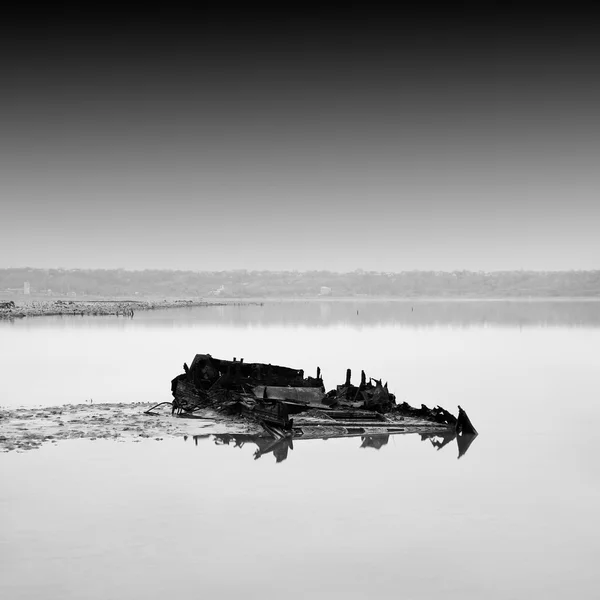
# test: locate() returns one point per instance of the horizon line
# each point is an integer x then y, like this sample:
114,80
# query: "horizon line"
304,271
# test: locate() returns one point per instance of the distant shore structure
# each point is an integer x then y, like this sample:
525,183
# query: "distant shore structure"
26,288
218,292
325,291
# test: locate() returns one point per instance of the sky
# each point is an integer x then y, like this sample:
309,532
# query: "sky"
462,138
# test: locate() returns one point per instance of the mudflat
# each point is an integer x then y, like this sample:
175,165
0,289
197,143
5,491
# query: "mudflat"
125,308
29,428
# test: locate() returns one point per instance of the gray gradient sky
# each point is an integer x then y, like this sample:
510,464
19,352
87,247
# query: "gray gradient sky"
322,143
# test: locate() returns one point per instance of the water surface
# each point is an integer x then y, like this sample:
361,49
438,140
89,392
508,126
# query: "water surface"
516,517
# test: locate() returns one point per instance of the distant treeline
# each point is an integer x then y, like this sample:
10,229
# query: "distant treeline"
293,284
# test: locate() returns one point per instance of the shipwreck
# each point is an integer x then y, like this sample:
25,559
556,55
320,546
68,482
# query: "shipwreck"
289,405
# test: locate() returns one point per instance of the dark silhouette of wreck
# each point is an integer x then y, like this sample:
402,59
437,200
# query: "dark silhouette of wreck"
289,406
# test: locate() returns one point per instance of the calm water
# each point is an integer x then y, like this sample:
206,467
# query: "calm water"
516,517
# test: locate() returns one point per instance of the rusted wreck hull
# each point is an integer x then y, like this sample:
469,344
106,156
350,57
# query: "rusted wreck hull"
283,398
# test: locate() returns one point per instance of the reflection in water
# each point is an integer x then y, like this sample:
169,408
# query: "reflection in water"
281,447
375,441
439,440
464,441
355,314
414,313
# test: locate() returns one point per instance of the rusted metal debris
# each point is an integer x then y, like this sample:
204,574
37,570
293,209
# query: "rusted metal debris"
289,405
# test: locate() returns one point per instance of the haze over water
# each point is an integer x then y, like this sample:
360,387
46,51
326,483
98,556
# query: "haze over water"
513,518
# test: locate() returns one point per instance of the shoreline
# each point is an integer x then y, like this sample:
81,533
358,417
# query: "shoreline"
128,308
125,308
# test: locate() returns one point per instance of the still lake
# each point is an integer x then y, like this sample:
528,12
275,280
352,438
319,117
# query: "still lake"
516,517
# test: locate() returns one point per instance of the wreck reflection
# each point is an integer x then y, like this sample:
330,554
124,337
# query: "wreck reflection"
439,440
376,441
265,444
280,447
